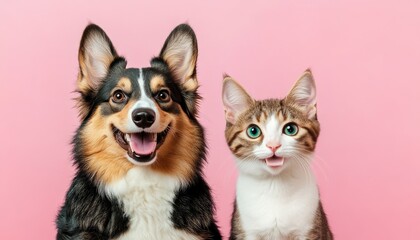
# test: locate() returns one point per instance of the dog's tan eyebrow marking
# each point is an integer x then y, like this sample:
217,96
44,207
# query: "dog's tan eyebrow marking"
156,83
125,84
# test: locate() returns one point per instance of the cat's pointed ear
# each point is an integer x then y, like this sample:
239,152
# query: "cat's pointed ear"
96,53
235,99
303,94
180,53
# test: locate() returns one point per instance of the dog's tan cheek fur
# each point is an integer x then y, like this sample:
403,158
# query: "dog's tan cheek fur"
121,118
179,152
105,159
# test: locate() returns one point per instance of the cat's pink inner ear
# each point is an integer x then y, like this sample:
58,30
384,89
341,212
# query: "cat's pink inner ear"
303,94
312,112
231,112
230,116
235,99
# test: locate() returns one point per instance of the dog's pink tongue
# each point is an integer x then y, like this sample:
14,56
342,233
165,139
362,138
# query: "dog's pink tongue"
143,144
274,162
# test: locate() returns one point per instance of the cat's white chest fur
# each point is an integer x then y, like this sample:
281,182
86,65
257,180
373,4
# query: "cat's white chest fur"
276,208
147,198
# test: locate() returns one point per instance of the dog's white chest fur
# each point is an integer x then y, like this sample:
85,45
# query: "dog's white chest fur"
147,198
275,209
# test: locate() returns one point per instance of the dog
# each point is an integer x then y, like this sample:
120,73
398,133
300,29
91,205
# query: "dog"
139,150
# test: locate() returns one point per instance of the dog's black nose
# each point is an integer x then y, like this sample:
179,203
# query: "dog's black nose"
143,117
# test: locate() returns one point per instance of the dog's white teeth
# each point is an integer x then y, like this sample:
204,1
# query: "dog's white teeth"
155,137
127,137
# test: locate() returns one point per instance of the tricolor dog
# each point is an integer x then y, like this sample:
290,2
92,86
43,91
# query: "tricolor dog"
139,150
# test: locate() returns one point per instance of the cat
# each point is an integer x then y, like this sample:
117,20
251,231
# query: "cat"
273,141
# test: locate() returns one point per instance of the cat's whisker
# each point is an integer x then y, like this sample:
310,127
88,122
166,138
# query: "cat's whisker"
322,161
317,158
318,165
318,162
303,162
245,160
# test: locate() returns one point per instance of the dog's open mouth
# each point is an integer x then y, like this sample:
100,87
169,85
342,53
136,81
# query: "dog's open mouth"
140,146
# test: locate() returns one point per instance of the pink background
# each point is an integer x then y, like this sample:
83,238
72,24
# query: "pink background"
365,58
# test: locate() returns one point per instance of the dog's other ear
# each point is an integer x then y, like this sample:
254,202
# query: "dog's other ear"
180,53
96,54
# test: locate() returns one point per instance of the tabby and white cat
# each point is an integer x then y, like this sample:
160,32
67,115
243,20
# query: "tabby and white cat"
273,142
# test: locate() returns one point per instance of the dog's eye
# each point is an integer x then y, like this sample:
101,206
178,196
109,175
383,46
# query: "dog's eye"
118,96
163,96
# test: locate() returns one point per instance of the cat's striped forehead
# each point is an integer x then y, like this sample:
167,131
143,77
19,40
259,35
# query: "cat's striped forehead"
281,109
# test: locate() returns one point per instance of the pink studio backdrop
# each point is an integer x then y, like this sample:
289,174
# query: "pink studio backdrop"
365,56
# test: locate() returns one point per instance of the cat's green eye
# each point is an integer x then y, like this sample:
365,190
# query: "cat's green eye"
253,131
291,129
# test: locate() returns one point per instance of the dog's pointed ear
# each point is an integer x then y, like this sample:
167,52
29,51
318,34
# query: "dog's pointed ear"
96,53
180,53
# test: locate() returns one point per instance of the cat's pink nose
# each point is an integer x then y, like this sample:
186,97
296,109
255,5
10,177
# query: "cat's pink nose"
273,147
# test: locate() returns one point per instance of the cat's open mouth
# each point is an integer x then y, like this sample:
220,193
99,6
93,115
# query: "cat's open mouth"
140,146
274,161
